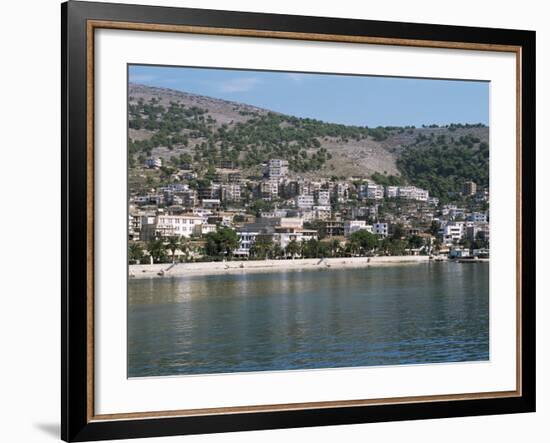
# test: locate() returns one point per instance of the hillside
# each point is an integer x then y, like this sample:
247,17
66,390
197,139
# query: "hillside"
208,132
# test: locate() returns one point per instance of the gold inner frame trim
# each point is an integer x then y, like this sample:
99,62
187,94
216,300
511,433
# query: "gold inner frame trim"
92,25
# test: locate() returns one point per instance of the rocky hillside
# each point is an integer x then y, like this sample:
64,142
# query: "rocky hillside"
208,132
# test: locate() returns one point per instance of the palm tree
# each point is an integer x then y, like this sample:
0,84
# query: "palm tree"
173,245
156,250
293,248
135,252
184,246
334,247
262,246
277,251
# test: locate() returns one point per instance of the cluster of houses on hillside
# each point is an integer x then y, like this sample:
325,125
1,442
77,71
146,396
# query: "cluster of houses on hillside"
299,209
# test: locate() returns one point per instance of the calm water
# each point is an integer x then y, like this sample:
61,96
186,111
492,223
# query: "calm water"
427,313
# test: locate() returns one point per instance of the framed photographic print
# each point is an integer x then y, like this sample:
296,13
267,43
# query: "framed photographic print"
277,221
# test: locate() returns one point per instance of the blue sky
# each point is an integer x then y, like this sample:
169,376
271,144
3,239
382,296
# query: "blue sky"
355,100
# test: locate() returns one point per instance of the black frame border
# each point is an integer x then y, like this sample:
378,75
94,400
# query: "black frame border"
74,420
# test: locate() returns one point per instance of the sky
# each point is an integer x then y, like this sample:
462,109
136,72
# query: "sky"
336,98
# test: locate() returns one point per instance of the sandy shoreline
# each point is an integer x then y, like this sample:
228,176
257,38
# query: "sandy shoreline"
212,268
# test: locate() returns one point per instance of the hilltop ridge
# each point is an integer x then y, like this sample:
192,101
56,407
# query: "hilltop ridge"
182,127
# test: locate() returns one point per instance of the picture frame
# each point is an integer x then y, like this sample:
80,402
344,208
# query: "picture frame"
80,22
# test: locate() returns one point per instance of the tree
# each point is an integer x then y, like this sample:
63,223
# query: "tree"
398,231
293,248
366,240
228,241
222,242
260,205
156,250
278,252
334,247
416,242
173,245
310,248
319,226
353,247
434,228
263,246
135,252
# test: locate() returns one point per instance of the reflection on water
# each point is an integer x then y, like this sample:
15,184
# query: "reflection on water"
428,313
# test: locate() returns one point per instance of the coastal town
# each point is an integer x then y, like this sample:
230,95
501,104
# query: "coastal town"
281,215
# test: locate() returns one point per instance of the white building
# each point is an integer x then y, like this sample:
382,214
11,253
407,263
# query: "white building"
477,217
457,213
422,195
375,192
283,236
246,240
323,197
381,229
153,163
207,228
305,201
178,225
452,232
413,193
351,226
277,169
392,191
211,203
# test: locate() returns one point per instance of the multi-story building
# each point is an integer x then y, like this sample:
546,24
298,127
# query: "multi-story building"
341,190
189,198
323,197
469,188
413,193
334,228
351,226
247,237
283,236
457,213
477,217
153,163
375,192
231,192
478,231
269,189
305,201
422,195
392,191
321,212
168,225
211,203
276,169
141,226
209,192
452,232
381,229
234,177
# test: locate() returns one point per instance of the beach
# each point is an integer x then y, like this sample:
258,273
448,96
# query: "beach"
210,268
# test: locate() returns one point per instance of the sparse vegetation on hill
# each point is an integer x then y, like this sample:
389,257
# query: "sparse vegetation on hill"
184,128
